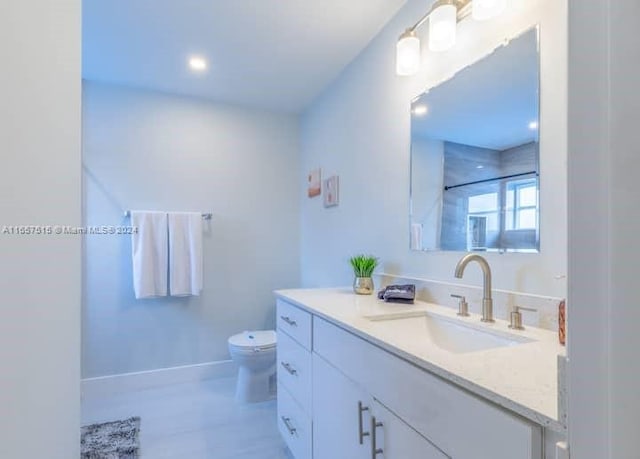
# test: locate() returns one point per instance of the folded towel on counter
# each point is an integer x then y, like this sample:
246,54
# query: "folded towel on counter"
185,253
149,253
398,293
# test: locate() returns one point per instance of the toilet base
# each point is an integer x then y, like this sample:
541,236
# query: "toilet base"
255,386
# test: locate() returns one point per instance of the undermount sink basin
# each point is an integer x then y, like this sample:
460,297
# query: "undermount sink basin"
445,333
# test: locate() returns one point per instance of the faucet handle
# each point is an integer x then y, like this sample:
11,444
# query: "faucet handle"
516,317
463,306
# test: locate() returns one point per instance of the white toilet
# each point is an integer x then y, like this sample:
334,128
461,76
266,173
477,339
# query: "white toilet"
255,354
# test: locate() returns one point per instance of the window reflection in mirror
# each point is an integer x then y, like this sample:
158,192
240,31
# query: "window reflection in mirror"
475,155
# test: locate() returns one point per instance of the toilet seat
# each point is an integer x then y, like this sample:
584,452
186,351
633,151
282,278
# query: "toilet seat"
254,340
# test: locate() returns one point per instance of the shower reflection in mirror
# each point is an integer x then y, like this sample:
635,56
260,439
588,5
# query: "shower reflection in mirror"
475,155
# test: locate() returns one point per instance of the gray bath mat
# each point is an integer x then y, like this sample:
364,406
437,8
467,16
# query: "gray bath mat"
111,440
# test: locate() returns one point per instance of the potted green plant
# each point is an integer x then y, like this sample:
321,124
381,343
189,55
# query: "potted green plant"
363,266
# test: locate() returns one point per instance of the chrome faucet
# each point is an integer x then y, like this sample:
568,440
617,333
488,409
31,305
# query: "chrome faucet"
487,301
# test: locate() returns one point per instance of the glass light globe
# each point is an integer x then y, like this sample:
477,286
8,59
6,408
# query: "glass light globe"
442,27
408,54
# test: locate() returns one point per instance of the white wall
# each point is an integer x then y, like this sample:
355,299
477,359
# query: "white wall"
625,229
145,150
360,128
40,185
604,369
588,180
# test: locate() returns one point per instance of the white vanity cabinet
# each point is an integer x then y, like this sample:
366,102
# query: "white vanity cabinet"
350,424
294,378
363,402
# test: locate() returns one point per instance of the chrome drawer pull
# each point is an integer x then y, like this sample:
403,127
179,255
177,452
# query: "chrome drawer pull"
287,423
289,320
374,448
290,370
361,432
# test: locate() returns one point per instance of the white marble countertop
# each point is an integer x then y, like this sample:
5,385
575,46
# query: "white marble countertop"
521,378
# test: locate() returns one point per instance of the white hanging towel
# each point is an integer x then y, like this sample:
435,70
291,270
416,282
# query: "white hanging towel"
185,253
150,253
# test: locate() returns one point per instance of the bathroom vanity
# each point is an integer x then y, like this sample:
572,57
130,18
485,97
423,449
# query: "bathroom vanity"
360,378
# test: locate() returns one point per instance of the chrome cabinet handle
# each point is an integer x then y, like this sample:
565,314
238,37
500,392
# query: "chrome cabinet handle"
287,366
361,432
290,321
287,423
374,448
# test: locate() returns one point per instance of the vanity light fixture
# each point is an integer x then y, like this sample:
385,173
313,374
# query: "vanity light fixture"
443,18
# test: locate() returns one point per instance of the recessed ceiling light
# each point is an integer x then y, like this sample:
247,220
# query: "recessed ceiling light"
533,125
479,166
197,63
420,110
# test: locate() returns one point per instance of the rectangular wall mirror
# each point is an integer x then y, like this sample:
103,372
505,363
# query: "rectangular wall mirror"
475,155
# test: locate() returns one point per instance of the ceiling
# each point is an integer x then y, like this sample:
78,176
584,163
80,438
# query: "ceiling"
489,104
270,54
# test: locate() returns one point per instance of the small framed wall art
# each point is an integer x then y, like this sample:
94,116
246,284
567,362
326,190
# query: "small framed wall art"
331,195
314,181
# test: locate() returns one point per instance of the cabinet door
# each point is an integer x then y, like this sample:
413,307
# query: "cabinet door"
337,417
395,439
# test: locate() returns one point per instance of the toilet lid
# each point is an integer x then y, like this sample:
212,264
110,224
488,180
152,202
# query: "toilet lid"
252,339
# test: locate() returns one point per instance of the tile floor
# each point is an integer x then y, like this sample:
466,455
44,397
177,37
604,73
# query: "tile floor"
198,420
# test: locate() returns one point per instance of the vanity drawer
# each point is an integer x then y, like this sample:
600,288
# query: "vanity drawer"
294,370
438,410
294,322
294,425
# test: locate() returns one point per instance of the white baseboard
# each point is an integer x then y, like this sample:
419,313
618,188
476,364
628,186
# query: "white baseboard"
130,382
